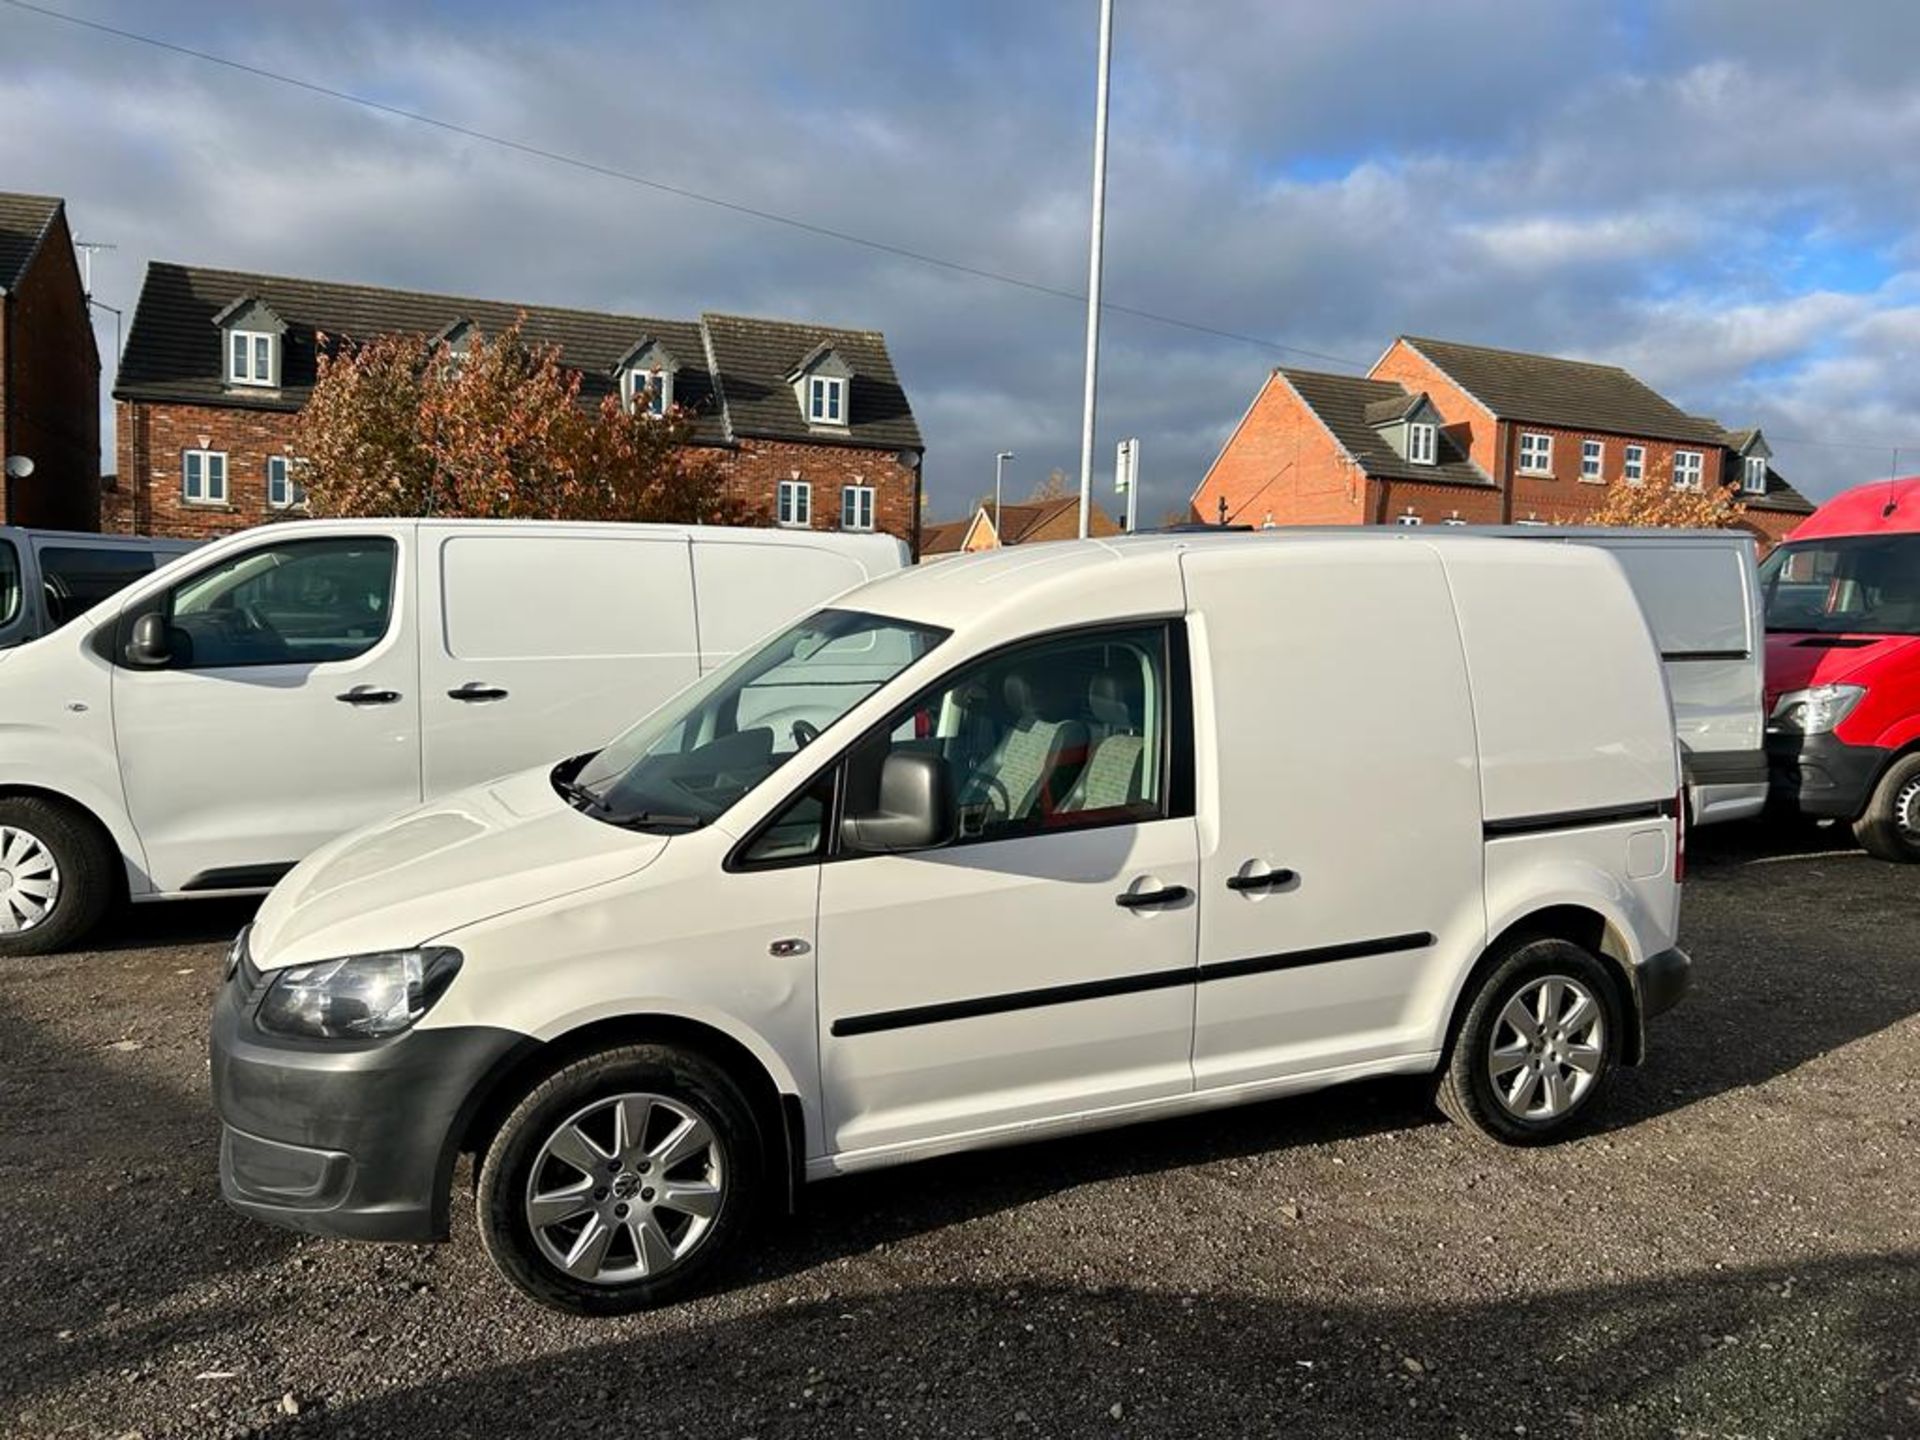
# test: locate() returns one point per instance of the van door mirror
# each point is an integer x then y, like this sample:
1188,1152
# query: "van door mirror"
148,647
914,810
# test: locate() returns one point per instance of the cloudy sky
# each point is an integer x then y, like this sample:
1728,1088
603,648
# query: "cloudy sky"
1720,195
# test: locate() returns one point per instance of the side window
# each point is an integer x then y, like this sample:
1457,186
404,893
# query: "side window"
303,602
1066,734
798,832
77,577
10,595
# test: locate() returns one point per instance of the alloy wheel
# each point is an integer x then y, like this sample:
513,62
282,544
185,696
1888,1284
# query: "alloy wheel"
29,880
1547,1048
1906,811
625,1189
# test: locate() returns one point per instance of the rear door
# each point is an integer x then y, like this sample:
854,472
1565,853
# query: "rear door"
747,589
543,643
1340,868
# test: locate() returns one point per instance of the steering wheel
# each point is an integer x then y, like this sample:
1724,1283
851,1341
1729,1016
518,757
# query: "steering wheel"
805,732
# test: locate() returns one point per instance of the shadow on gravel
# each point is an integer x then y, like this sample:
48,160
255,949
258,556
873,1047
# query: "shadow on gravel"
173,922
109,1206
1826,1350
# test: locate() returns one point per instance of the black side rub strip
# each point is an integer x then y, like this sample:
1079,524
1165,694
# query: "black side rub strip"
1123,985
239,877
1578,819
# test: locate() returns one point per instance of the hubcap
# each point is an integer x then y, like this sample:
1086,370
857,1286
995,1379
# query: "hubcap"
1547,1048
1906,811
625,1189
29,881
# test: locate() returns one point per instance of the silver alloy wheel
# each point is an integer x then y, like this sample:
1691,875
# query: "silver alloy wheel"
29,880
1547,1048
625,1189
1906,811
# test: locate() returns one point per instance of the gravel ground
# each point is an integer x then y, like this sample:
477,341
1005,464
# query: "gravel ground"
1736,1255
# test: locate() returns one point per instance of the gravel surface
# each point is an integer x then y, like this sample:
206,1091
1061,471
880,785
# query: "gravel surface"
1735,1255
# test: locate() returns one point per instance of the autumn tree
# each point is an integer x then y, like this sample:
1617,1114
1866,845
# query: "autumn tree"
402,425
1663,506
1054,487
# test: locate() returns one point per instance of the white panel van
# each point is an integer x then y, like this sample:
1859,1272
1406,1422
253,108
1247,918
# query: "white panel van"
1018,845
218,720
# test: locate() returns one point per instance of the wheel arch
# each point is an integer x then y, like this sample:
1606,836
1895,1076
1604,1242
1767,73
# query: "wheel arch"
1586,924
123,872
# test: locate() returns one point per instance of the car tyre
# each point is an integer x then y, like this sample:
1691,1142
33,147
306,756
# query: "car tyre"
51,852
659,1248
1890,827
1537,1047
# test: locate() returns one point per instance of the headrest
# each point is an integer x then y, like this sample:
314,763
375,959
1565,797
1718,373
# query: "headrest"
1107,702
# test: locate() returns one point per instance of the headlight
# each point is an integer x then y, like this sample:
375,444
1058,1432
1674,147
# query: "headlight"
1815,711
360,997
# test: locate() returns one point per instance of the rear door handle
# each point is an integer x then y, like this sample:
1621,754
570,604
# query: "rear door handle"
1271,880
477,690
367,695
1139,899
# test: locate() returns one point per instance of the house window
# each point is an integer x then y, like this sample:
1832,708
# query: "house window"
1453,519
1592,456
1536,454
794,503
284,490
826,400
1756,467
203,477
1421,444
1688,466
1409,519
1634,468
249,357
856,507
649,391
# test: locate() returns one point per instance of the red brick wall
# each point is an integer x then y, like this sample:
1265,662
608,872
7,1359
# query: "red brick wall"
1433,504
152,437
1565,497
50,393
1281,463
1468,423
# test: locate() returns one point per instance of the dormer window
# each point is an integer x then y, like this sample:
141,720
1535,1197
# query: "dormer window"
649,391
250,336
1422,443
826,400
249,357
1756,474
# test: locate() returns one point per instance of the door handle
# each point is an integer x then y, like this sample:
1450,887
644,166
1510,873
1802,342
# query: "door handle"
1272,880
477,690
367,695
1139,899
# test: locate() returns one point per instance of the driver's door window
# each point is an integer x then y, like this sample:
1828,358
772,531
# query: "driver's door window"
303,602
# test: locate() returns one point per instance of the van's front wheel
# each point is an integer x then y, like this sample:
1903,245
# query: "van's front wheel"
620,1181
56,876
1538,1045
1890,829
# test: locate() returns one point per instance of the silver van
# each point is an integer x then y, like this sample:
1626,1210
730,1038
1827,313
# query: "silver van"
47,577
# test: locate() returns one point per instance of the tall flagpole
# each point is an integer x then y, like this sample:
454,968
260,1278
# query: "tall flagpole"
1093,263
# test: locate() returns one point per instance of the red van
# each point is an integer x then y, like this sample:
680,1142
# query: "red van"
1842,599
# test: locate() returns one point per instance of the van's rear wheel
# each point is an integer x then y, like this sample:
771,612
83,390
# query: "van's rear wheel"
1538,1046
621,1181
1890,828
56,876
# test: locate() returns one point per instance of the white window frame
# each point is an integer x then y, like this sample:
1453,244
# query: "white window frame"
1536,458
793,504
1754,474
1423,443
252,372
295,495
1410,520
1594,453
1453,519
204,479
826,400
1689,476
658,384
1633,465
859,498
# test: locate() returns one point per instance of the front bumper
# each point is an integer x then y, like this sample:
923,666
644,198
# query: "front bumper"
352,1139
1821,776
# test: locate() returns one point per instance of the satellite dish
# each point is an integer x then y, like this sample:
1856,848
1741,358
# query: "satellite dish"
19,467
908,459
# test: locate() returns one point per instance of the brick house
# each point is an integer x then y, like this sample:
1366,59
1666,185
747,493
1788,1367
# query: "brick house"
810,422
1441,433
1021,524
49,371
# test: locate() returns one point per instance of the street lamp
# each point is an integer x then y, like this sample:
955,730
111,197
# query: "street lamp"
999,469
1093,262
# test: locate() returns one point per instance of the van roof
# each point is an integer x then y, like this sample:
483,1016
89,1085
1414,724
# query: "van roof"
1880,507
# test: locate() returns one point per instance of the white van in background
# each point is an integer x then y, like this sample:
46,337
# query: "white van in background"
1018,845
275,688
1700,592
48,577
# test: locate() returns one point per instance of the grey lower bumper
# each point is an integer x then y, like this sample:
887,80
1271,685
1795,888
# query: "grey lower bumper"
353,1139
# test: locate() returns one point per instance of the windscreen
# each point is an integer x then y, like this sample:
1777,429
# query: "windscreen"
1846,584
689,761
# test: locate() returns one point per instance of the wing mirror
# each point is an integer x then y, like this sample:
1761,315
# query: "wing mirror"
914,810
149,646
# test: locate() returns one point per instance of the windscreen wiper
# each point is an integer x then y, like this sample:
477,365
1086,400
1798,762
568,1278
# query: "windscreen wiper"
654,820
579,796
